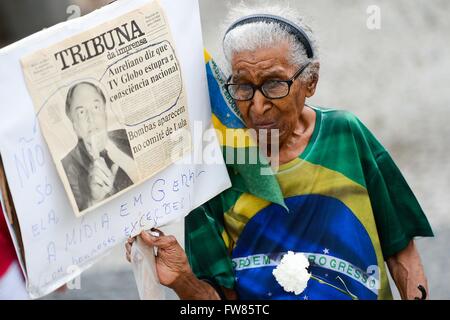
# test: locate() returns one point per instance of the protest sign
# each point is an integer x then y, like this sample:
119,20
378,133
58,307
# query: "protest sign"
32,120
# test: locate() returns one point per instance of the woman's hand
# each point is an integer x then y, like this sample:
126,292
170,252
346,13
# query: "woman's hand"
407,271
172,267
171,260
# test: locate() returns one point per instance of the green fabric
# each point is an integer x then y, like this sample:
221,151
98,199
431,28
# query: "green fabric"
246,177
204,246
397,212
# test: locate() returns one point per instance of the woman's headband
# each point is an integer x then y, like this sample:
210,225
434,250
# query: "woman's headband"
287,25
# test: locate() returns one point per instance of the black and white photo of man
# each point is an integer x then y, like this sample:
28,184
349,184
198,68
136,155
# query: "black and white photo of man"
101,164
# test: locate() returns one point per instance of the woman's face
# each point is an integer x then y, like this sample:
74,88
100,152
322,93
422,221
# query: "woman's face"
256,67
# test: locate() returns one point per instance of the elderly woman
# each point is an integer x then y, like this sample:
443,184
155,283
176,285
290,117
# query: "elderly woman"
337,196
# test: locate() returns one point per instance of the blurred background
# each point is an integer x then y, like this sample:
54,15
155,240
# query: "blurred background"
395,78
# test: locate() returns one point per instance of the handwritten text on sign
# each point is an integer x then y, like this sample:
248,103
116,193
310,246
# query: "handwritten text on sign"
150,205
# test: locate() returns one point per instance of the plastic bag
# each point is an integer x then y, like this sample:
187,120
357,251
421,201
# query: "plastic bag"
144,269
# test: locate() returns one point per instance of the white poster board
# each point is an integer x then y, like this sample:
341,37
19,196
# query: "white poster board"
57,245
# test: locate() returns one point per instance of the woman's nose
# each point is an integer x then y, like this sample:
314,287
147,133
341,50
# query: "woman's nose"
259,104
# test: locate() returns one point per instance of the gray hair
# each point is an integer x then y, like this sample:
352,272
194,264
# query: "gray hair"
257,35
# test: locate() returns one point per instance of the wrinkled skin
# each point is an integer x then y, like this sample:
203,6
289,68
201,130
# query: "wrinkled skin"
289,115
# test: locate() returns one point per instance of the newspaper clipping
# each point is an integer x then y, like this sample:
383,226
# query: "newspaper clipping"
111,105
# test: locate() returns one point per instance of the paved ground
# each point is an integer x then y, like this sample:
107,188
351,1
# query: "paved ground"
395,79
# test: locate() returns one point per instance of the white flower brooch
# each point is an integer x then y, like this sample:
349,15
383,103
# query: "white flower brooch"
292,273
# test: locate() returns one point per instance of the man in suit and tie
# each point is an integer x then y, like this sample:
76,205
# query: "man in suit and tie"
101,164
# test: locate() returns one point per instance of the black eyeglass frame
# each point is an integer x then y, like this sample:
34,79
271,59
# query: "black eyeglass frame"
289,82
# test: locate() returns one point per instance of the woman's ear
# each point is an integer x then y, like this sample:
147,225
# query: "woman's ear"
313,80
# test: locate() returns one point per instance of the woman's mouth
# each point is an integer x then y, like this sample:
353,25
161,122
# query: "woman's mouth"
265,125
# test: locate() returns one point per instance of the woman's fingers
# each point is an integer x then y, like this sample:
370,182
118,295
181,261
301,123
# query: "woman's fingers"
158,231
162,241
128,251
128,245
148,238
